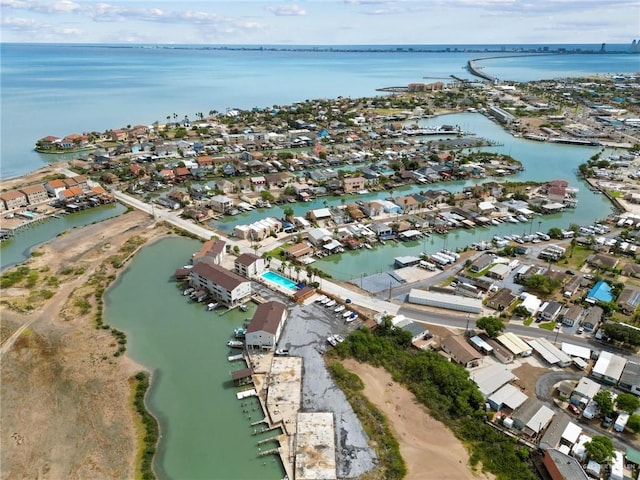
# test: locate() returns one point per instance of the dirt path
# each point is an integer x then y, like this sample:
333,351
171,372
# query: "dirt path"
66,400
429,449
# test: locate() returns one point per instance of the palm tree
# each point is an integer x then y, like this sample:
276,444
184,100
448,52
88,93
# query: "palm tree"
284,265
298,269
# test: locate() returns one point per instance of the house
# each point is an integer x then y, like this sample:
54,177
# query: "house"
628,300
320,236
600,260
206,162
353,184
609,368
13,199
592,319
506,397
630,378
481,263
584,391
381,230
258,230
249,265
181,173
225,186
70,193
460,351
499,351
223,285
502,299
499,271
601,292
221,203
532,417
373,209
573,315
212,251
266,326
258,183
298,250
54,187
35,194
319,214
492,378
551,311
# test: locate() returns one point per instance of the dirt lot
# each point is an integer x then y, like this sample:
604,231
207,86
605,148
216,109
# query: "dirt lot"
429,449
66,400
527,377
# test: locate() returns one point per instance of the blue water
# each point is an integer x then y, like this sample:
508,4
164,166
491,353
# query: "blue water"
62,89
280,280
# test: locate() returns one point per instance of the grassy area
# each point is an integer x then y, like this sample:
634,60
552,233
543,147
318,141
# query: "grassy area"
548,326
578,256
614,194
480,273
278,251
147,448
528,321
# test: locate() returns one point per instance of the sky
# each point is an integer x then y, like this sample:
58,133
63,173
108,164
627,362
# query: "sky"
321,22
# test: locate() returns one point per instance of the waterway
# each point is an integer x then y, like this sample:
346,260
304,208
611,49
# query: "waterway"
205,434
18,248
541,161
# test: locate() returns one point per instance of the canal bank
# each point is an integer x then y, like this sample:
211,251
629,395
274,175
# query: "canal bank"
205,431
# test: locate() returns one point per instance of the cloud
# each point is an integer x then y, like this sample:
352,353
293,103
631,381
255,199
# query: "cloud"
287,10
29,26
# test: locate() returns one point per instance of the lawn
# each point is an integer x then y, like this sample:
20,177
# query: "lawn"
276,252
578,256
548,326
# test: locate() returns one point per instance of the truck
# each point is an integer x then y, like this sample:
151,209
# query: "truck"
621,422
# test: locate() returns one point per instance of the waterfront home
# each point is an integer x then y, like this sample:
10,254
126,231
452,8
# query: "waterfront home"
298,250
35,193
457,348
258,230
266,326
13,199
70,193
221,284
258,183
319,236
212,251
382,230
319,214
249,265
390,207
49,142
221,203
481,263
54,187
225,186
353,184
373,209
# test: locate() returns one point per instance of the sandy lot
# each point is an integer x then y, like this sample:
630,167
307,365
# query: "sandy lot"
66,400
429,449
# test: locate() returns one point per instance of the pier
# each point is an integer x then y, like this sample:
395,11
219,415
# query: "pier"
474,70
270,439
273,451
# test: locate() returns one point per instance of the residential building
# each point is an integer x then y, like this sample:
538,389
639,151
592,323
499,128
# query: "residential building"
258,230
481,263
500,271
320,236
13,199
573,315
628,300
601,292
353,184
460,351
532,417
35,193
551,311
584,391
298,250
212,251
609,368
266,325
592,319
249,265
223,285
221,203
562,467
502,299
630,378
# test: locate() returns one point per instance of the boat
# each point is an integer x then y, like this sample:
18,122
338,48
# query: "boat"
330,304
495,222
351,319
332,340
188,291
243,307
325,300
212,306
522,218
235,344
239,332
512,220
338,338
367,246
339,308
346,314
321,298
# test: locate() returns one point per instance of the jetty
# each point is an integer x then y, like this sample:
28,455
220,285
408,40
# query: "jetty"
475,70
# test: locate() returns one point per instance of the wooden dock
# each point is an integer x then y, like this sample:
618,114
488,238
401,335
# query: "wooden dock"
273,451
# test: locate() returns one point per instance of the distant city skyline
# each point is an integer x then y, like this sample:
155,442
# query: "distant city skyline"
328,22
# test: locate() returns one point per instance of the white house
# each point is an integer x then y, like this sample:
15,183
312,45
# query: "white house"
319,236
221,203
266,325
223,285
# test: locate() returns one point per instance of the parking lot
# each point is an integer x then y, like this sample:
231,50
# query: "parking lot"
305,334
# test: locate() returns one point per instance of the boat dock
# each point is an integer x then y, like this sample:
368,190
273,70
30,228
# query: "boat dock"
233,358
247,393
273,451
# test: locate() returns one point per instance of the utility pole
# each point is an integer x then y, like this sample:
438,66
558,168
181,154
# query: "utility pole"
389,299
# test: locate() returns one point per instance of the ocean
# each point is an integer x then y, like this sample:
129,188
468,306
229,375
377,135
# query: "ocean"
50,89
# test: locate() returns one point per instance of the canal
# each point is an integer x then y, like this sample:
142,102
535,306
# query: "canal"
206,432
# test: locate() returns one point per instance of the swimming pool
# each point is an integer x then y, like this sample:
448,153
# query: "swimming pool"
280,280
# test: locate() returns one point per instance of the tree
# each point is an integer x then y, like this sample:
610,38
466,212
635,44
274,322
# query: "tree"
634,423
492,325
627,402
605,402
521,311
289,213
267,196
555,232
599,449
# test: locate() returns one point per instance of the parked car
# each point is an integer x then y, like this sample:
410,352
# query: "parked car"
573,409
580,330
606,422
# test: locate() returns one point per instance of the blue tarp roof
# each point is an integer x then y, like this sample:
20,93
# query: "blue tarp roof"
601,292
